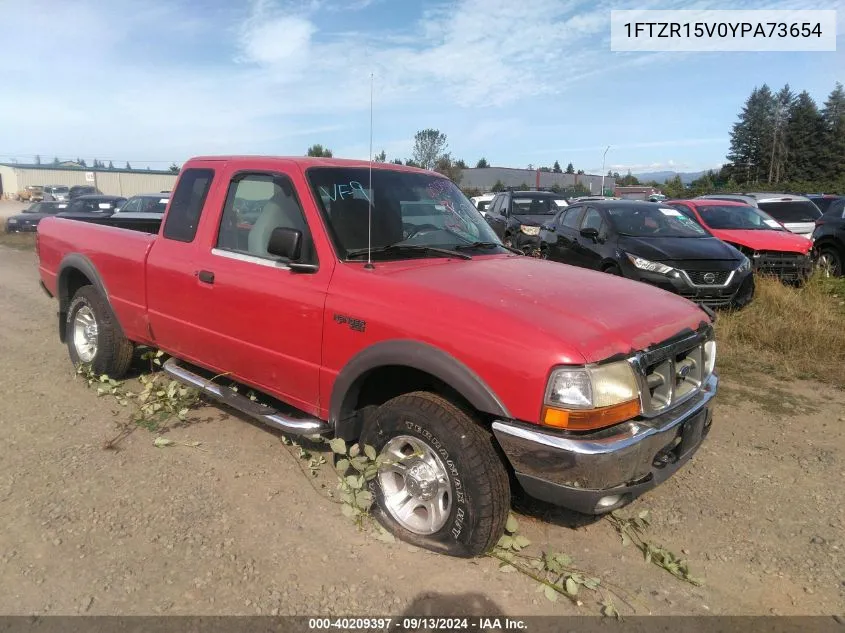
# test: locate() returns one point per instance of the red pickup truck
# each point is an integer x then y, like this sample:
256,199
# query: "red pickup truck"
374,303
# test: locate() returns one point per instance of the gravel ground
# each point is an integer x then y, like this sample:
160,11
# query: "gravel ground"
235,527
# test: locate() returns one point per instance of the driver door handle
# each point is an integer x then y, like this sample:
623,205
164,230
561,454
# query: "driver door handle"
205,276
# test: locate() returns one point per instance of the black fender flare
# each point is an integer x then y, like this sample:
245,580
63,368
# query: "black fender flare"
416,355
79,263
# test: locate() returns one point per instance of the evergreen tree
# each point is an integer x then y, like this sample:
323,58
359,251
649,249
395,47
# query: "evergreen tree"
128,166
804,136
779,150
380,157
81,162
56,160
832,153
397,161
570,169
580,171
482,163
111,165
37,159
498,186
751,136
556,168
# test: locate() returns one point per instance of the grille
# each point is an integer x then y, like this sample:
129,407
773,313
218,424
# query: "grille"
721,301
718,278
673,371
785,266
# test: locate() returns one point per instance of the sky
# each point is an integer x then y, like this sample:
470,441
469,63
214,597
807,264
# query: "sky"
518,83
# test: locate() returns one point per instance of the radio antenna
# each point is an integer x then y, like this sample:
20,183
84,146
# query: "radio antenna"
369,263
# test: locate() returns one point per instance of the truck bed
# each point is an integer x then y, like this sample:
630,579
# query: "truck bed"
117,253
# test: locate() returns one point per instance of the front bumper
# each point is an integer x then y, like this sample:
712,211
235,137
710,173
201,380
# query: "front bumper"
526,243
788,267
21,228
737,292
580,471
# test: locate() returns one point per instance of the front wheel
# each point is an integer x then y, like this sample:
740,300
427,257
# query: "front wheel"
444,486
830,262
93,336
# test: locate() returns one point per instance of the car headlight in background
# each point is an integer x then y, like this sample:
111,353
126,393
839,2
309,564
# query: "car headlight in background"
530,230
745,265
644,264
585,398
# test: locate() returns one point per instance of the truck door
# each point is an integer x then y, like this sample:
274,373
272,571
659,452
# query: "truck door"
252,314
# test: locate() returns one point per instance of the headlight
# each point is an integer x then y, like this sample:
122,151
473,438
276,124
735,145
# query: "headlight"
644,264
583,398
530,230
745,265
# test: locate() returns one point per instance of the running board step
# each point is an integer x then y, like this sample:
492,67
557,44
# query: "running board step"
268,415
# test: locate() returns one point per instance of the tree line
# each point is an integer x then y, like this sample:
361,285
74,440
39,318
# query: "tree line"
430,151
96,164
786,139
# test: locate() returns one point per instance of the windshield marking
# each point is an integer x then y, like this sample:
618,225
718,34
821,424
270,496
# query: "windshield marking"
344,190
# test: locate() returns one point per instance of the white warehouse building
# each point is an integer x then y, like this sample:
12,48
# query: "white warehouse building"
119,182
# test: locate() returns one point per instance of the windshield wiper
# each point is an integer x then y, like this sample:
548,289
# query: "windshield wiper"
471,245
355,252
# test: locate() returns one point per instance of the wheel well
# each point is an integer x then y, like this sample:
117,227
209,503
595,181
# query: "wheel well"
381,384
607,265
72,279
831,242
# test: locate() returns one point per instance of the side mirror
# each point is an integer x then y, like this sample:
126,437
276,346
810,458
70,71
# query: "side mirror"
551,228
285,243
590,233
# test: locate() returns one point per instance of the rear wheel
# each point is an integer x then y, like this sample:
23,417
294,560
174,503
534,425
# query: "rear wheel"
93,337
445,488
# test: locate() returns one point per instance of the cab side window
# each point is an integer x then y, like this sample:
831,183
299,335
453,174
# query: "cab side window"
187,203
256,204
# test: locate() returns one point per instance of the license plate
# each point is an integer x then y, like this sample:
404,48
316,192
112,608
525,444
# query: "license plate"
691,433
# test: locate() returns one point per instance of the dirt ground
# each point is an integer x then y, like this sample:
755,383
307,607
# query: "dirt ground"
237,528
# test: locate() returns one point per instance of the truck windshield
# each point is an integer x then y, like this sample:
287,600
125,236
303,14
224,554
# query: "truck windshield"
738,218
654,221
408,209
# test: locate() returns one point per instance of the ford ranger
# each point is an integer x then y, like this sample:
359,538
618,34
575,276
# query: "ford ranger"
374,303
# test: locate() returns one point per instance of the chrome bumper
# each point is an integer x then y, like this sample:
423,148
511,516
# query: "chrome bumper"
577,471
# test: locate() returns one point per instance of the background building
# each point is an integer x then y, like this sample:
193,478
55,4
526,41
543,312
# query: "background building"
118,182
484,178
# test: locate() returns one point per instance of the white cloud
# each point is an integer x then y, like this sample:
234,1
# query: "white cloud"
284,40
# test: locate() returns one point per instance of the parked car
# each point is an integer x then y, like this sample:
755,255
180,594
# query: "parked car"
824,200
772,249
82,190
516,216
586,388
483,201
91,207
652,243
829,239
56,193
797,213
145,203
27,221
32,193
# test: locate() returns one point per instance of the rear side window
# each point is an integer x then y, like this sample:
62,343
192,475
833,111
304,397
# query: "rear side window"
186,204
592,220
836,209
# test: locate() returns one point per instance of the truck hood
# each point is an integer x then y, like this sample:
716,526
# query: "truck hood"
589,314
678,249
761,240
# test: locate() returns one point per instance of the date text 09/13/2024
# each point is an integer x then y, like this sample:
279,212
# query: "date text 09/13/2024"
418,623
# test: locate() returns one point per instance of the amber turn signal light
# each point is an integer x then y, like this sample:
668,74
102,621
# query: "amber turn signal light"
590,419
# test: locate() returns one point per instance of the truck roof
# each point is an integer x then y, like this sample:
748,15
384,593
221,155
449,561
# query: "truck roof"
313,161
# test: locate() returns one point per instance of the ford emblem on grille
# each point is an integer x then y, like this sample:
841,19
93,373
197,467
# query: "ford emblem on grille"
709,278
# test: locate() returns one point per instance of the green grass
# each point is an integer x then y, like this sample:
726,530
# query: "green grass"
786,333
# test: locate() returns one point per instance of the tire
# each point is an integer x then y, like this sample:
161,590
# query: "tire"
613,269
830,260
473,492
90,320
